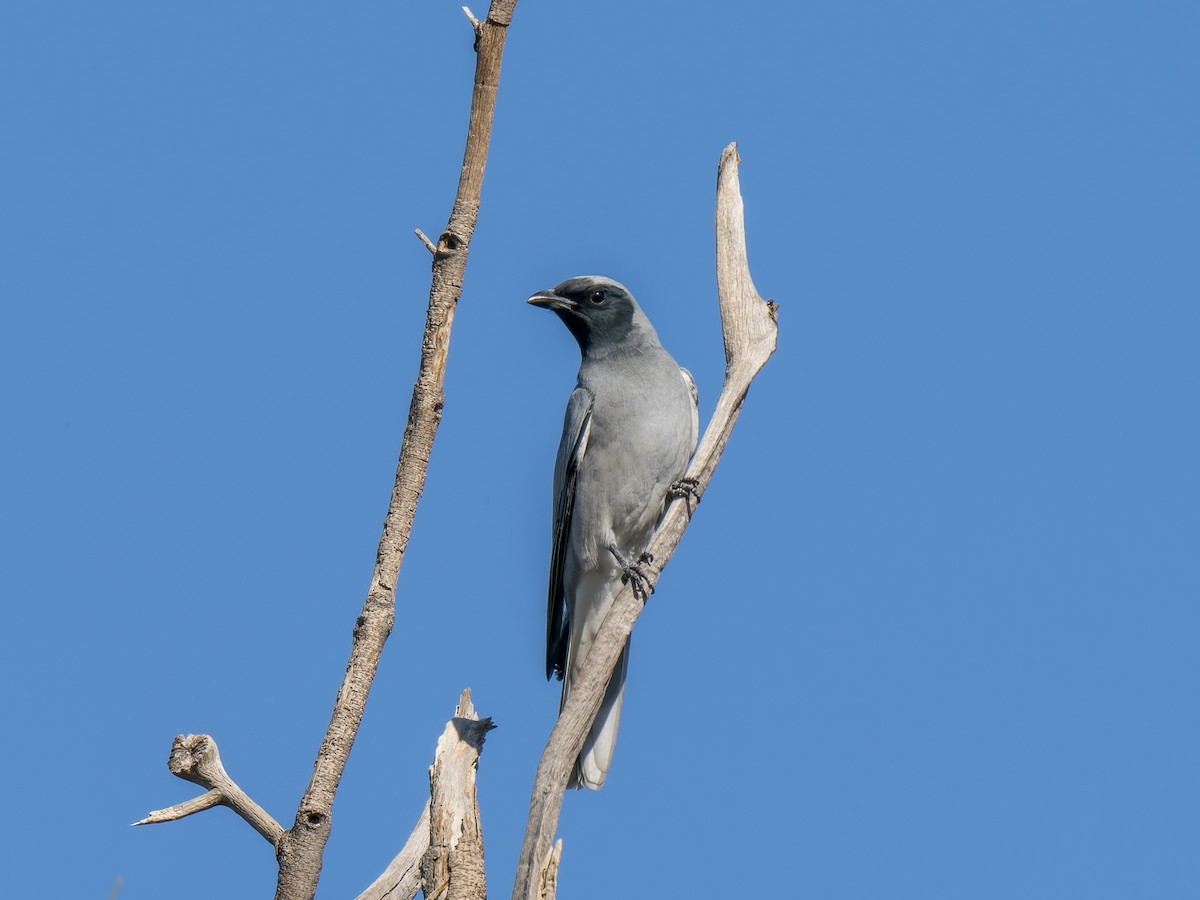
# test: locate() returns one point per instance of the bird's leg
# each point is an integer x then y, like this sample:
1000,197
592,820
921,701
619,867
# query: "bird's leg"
643,584
687,489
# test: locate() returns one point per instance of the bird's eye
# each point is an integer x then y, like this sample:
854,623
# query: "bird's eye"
598,297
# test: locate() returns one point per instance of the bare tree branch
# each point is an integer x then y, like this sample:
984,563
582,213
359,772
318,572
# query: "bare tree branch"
429,245
402,878
450,819
301,848
475,23
453,865
750,328
195,758
548,882
181,810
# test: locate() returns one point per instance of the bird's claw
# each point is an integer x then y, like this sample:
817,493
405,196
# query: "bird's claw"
643,584
686,489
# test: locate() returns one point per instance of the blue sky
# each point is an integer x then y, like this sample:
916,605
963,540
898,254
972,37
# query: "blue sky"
933,633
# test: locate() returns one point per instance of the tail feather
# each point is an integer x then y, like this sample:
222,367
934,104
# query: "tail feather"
598,747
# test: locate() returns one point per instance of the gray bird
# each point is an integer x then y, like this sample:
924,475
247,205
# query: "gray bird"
630,429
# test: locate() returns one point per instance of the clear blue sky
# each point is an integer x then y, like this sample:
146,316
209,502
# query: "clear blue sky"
934,631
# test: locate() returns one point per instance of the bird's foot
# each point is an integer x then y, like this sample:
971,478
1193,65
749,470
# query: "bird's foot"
643,584
688,490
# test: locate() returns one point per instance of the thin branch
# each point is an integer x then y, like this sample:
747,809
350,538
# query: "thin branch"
402,878
429,245
180,810
750,328
302,847
195,758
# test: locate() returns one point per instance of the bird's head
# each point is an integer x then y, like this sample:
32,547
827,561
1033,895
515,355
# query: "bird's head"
600,312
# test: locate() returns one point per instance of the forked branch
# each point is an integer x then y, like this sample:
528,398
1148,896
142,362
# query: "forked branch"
299,850
750,327
195,758
302,847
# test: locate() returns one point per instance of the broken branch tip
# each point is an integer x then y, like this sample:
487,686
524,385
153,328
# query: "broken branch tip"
429,245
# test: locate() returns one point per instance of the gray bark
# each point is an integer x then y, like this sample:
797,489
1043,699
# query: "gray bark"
195,758
302,847
453,865
402,878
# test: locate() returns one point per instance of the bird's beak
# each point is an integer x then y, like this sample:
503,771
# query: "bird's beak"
549,300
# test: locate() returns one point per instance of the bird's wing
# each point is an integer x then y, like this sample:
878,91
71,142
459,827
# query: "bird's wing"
566,470
695,393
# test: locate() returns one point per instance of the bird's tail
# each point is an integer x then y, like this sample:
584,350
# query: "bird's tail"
597,753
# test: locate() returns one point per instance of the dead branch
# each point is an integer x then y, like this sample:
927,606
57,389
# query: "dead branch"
302,847
195,758
453,865
402,878
750,328
548,881
454,859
